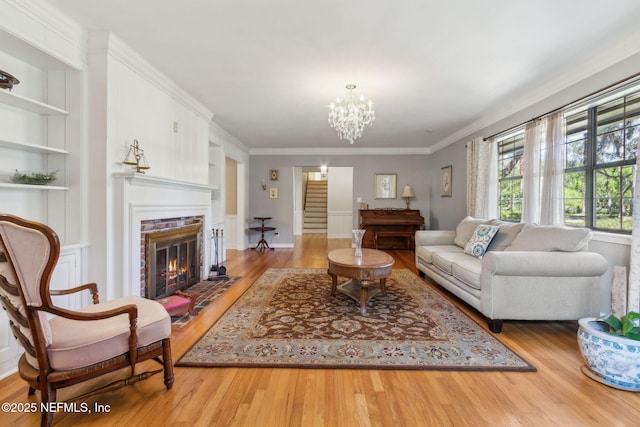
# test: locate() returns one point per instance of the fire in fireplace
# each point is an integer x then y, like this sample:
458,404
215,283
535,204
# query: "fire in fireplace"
173,260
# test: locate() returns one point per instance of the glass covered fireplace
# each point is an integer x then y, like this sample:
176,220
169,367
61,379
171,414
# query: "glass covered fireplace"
172,260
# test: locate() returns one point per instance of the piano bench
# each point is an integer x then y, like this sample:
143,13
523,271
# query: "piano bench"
382,234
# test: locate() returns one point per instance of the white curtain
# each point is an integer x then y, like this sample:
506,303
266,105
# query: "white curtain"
633,288
543,176
482,178
532,176
552,203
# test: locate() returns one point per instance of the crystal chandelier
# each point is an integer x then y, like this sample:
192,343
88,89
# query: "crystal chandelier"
351,115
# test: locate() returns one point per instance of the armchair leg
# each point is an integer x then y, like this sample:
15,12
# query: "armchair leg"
168,363
495,325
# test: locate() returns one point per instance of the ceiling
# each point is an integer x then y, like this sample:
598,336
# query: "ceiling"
434,69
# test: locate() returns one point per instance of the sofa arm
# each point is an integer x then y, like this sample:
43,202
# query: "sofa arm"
435,237
543,264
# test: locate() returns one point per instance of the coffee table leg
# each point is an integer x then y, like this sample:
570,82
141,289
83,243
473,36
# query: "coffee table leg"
383,285
334,282
364,294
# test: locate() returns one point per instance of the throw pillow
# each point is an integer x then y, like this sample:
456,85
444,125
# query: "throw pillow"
480,239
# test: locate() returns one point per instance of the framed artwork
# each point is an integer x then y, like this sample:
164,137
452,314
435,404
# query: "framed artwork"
273,193
445,181
274,174
385,185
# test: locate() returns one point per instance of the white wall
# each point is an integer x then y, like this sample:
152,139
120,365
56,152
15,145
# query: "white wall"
410,169
130,99
339,201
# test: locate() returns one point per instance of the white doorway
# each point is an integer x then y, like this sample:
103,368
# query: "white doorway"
339,204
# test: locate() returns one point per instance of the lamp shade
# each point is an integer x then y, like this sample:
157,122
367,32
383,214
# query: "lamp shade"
407,192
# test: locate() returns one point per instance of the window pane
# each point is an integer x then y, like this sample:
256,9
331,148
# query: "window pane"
632,136
576,139
510,199
510,152
575,156
632,110
614,194
610,132
574,201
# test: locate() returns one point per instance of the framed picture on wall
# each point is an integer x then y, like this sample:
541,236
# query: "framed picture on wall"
274,174
445,181
385,185
273,193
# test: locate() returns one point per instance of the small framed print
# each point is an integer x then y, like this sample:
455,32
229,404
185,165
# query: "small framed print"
385,185
274,174
273,193
445,181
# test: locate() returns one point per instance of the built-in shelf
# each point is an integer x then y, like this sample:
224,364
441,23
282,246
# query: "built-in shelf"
31,187
34,148
29,104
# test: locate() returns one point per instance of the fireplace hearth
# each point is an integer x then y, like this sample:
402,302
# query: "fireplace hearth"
172,260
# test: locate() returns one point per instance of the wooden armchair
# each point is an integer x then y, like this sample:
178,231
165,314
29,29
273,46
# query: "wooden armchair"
72,346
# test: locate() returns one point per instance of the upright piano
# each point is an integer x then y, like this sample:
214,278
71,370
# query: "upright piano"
390,228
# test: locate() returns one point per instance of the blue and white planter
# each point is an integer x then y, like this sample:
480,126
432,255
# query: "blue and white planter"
613,360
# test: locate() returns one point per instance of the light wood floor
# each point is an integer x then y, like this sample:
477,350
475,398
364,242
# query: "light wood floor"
557,395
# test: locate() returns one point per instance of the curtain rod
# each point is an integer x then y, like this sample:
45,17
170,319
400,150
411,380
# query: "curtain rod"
583,98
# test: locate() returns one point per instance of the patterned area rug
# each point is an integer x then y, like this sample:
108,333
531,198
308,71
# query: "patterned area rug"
206,291
288,318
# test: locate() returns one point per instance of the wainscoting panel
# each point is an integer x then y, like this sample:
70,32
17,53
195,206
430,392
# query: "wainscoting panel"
339,224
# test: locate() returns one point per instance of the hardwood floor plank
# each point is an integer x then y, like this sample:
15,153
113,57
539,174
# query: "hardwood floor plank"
557,394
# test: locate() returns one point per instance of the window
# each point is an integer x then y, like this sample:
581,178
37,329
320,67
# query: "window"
510,156
600,156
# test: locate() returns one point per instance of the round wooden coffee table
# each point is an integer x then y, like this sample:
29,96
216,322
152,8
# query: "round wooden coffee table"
364,271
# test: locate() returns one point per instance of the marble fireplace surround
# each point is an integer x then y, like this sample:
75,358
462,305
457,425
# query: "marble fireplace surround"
140,198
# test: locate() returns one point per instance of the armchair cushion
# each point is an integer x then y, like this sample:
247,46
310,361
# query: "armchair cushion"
77,343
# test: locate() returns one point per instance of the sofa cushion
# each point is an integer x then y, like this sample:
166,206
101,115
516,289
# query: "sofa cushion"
480,239
465,229
426,252
508,232
467,269
444,260
548,238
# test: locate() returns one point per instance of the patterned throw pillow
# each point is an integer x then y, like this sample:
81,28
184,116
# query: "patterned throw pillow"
479,241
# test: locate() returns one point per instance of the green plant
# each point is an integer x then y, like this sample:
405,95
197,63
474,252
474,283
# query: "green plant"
628,326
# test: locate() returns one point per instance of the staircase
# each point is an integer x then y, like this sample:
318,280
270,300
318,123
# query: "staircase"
315,211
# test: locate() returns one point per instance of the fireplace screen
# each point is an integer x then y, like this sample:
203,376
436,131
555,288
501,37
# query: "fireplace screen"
173,260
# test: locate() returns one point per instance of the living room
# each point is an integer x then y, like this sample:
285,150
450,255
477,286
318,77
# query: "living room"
112,94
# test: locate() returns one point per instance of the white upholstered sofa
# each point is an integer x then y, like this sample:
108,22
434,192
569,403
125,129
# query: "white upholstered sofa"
529,272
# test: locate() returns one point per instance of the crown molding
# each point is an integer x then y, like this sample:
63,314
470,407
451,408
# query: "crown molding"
53,33
102,42
381,151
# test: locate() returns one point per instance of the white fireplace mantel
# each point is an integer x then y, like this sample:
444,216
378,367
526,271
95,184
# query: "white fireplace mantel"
139,197
144,179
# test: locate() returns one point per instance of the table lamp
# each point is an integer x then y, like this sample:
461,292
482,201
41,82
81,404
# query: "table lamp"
407,193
